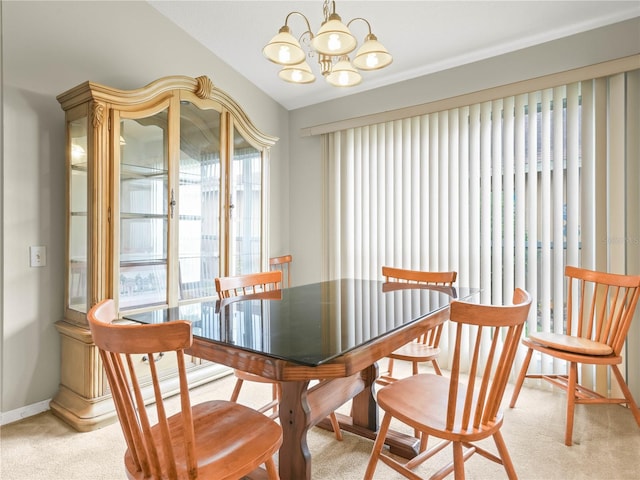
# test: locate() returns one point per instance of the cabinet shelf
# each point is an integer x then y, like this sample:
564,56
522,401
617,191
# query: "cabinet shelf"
80,167
135,216
143,263
141,171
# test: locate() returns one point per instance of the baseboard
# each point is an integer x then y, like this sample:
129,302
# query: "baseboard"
24,412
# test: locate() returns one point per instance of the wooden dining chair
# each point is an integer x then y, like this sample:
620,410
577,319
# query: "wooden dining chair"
464,408
426,347
600,307
282,263
248,284
215,439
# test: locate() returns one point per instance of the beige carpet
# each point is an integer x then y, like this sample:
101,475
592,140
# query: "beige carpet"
607,444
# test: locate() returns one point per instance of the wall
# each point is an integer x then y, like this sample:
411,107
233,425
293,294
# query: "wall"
607,43
48,48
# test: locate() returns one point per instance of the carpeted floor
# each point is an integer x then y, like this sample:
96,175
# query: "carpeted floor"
607,444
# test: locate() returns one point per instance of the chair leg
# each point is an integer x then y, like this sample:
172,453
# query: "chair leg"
627,393
272,471
236,390
458,461
424,439
336,426
436,367
521,376
571,402
414,371
504,455
390,367
275,395
377,447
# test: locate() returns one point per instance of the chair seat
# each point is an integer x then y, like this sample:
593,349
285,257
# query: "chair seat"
418,401
567,343
228,436
415,352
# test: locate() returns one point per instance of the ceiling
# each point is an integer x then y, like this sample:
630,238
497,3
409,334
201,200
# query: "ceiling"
423,36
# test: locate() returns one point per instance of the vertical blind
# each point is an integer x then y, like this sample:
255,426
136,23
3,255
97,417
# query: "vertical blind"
506,192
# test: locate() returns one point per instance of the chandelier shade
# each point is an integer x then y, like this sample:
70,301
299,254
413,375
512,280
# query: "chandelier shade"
330,46
334,38
284,48
300,73
343,74
372,55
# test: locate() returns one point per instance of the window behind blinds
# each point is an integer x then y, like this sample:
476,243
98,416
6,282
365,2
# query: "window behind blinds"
506,192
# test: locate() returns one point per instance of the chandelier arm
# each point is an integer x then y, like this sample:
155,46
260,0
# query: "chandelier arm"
360,18
286,21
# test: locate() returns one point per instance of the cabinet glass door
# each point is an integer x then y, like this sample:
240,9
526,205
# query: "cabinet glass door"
199,201
245,228
144,201
77,277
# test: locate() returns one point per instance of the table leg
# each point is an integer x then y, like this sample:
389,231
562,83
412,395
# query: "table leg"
363,420
294,458
364,410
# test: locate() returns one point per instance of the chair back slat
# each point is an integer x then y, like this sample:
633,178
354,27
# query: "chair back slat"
503,371
604,306
473,371
168,456
497,331
228,287
119,344
189,432
147,449
607,324
431,337
116,376
489,384
597,323
454,383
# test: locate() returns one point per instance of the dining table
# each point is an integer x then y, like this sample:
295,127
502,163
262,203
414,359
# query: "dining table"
321,342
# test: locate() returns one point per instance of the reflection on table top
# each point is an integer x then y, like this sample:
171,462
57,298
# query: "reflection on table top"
310,324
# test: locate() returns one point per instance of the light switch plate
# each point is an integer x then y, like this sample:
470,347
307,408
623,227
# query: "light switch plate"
38,256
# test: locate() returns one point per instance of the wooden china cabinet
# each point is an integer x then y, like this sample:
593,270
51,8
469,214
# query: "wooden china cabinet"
165,191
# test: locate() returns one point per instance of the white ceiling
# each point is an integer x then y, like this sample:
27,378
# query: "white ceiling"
422,36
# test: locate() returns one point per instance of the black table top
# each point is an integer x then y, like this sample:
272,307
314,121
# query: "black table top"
310,324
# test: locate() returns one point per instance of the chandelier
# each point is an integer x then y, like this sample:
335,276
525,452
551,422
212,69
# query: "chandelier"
332,45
